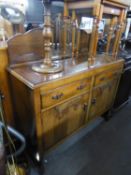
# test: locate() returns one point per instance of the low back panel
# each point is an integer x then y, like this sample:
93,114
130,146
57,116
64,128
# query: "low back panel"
26,47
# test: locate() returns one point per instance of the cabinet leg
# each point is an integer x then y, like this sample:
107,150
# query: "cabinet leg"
107,115
35,158
37,164
40,167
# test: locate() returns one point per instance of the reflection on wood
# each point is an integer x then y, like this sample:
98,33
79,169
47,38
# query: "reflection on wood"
84,43
110,33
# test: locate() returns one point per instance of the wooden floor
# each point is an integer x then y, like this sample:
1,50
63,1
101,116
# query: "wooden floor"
103,150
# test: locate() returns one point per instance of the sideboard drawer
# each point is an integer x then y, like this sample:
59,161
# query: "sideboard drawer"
53,97
107,75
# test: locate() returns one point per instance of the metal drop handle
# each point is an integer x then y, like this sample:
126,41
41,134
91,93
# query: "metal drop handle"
57,97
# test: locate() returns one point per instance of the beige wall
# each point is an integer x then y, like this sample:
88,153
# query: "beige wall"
126,1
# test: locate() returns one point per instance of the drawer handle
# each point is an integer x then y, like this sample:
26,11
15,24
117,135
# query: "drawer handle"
93,101
57,97
81,87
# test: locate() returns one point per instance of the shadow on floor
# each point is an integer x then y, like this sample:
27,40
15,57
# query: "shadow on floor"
106,150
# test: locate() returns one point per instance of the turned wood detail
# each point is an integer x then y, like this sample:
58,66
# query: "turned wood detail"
111,30
47,32
65,21
73,33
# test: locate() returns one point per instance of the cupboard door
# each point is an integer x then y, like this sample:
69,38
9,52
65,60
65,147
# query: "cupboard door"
63,119
97,102
111,93
102,98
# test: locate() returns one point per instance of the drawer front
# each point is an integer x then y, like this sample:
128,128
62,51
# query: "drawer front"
55,96
107,75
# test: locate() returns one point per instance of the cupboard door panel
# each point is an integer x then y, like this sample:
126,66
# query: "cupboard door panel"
97,102
64,119
102,98
111,92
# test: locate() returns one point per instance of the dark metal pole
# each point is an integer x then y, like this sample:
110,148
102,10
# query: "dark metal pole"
2,155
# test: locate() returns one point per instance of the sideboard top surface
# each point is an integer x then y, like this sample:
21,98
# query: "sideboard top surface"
71,67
